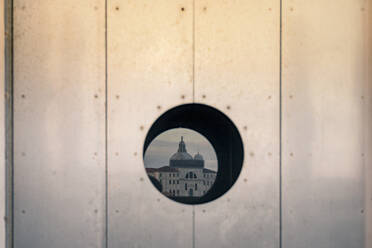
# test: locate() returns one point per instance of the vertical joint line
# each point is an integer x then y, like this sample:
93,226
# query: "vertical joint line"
106,133
9,120
193,51
193,100
280,122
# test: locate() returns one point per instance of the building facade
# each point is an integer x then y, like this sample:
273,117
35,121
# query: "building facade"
185,176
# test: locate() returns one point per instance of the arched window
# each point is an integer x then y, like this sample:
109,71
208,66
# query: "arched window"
191,175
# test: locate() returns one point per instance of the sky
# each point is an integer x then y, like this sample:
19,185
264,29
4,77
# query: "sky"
166,144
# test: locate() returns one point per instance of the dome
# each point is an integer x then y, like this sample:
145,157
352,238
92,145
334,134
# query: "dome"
181,159
198,157
181,154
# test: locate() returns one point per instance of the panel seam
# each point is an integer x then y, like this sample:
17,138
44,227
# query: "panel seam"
106,133
193,100
9,122
280,122
193,51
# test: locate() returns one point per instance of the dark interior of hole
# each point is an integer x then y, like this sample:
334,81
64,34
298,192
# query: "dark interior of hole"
220,132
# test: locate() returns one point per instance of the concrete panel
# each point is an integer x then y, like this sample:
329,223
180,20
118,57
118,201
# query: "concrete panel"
325,142
59,123
367,127
149,71
237,71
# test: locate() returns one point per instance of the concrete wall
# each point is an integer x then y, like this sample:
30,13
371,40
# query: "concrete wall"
313,122
326,112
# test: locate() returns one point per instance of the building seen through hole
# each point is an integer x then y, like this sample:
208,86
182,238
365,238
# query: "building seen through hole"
183,175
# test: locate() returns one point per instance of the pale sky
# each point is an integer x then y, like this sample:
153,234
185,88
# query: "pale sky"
166,144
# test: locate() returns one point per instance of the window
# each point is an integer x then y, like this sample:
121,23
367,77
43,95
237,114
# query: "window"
191,175
178,181
185,186
191,193
170,181
196,186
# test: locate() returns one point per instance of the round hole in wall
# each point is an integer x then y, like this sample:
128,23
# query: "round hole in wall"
189,135
182,164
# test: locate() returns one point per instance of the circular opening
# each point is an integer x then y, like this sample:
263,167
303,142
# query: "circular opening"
203,126
181,163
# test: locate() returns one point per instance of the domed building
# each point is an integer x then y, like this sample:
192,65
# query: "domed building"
181,159
185,176
199,157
